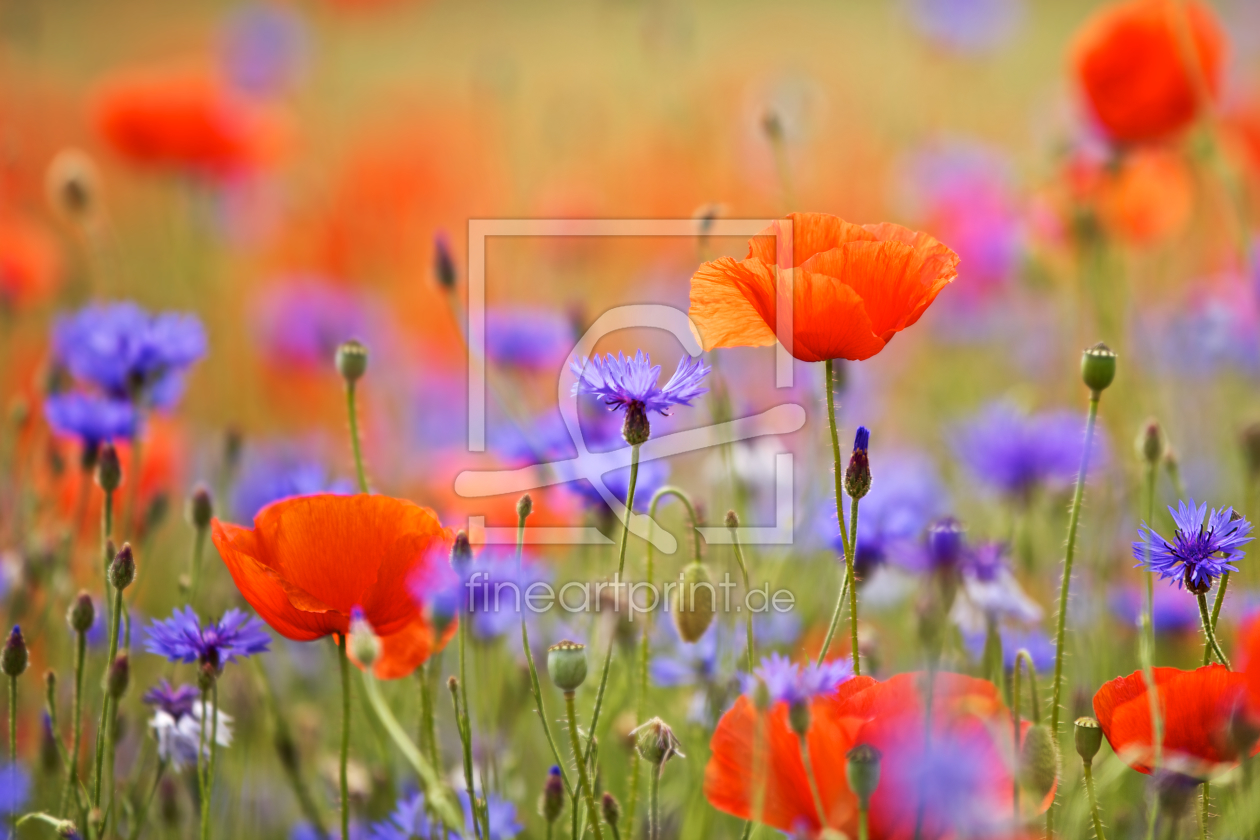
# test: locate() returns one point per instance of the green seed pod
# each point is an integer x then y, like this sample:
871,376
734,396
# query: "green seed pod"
108,468
81,614
14,657
123,570
1038,761
566,663
694,602
1098,367
352,360
862,771
656,742
200,508
1089,736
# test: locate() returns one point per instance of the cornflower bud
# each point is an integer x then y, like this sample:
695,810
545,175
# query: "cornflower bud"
611,808
636,430
524,506
1150,443
108,468
200,507
566,663
732,519
82,613
123,570
461,553
799,717
857,478
1098,367
552,796
119,677
352,360
14,656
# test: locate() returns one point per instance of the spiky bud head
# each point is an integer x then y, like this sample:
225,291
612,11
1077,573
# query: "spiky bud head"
14,657
200,507
122,571
82,613
656,742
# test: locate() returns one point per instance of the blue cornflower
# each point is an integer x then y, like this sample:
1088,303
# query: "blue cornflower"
15,788
629,383
531,338
1016,453
176,702
967,26
273,474
409,820
263,48
1172,612
791,683
128,353
1196,556
300,321
92,418
182,638
946,544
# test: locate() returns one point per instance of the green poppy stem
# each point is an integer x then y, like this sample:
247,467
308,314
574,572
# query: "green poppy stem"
354,438
1206,620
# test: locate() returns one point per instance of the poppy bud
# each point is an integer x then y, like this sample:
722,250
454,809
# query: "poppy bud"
857,478
123,570
1098,367
461,553
119,676
352,360
636,429
694,603
364,644
1038,760
72,185
1089,737
108,468
81,614
524,506
14,657
862,771
200,508
611,808
1150,442
566,663
732,519
656,743
443,263
799,717
1250,439
552,796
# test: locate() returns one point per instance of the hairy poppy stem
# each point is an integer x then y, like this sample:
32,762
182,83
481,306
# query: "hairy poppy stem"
813,782
286,751
829,383
743,569
1204,803
72,764
1146,647
654,804
208,795
1061,624
1087,768
1206,620
342,778
1023,659
1216,613
583,781
354,437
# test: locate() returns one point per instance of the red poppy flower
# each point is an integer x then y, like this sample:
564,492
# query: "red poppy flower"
853,287
1248,661
1148,197
185,119
1133,65
1196,707
30,262
308,561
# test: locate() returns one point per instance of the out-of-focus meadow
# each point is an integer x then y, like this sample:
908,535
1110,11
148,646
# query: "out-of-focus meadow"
295,175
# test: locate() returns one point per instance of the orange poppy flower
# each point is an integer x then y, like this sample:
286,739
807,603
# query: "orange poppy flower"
1134,69
853,287
1247,659
30,262
185,119
963,787
1196,707
309,560
1148,197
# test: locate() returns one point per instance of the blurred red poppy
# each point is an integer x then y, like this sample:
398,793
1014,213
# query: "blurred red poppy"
1196,707
1142,77
30,262
1147,197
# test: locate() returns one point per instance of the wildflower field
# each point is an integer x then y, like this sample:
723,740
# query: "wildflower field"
629,419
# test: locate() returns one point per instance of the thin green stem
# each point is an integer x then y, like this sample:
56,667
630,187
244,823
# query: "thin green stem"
654,804
1146,649
463,719
864,831
829,387
1216,613
1017,733
743,570
107,701
13,720
342,778
354,439
287,751
142,816
851,574
1204,802
583,780
1206,620
1087,767
203,796
835,618
813,782
107,529
1061,624
208,796
194,573
72,764
430,782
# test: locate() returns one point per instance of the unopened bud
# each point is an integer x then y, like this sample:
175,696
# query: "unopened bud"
1150,442
611,808
461,553
119,677
1038,761
862,771
656,742
732,519
73,185
1089,737
108,468
552,796
694,602
81,614
524,506
566,663
443,263
857,477
799,717
14,656
123,570
364,643
352,360
49,754
200,508
1098,367
761,696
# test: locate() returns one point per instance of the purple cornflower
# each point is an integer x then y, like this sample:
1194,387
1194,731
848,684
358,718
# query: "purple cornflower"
1038,644
182,638
530,338
967,26
1015,453
15,788
92,418
633,383
946,544
1172,611
263,48
176,702
128,353
301,321
1196,556
792,684
410,820
279,473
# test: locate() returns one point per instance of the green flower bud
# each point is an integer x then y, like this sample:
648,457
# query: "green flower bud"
1089,736
636,429
862,771
1150,442
14,656
119,677
799,717
524,506
694,602
81,614
656,742
761,696
108,468
732,519
123,570
1038,761
352,360
1098,367
200,508
566,663
364,643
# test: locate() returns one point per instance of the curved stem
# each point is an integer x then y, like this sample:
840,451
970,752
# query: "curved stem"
1088,769
342,779
1206,620
835,618
813,782
1216,613
583,781
354,439
1073,524
847,549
